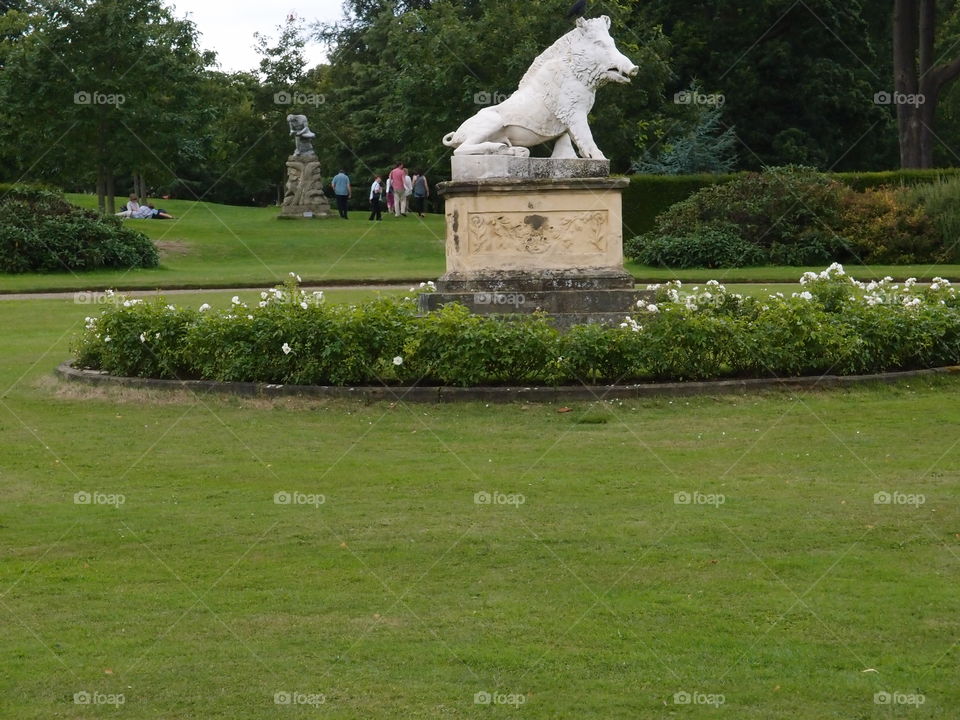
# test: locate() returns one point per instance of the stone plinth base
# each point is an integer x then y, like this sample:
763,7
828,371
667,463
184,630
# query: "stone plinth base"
304,196
483,167
520,244
299,212
533,226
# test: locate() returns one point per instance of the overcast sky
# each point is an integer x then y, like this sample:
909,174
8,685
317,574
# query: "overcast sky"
227,26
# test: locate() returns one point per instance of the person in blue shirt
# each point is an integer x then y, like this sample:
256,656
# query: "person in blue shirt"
341,188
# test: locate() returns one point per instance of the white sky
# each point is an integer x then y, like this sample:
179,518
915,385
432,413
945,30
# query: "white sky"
227,26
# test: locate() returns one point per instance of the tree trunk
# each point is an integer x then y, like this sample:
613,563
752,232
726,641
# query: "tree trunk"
142,188
111,195
101,190
905,21
917,82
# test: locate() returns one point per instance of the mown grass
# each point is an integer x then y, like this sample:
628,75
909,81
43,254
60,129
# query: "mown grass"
211,245
399,596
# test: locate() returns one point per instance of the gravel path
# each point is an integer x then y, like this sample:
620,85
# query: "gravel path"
89,294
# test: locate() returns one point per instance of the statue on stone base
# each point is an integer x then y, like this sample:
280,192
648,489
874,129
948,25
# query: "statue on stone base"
303,195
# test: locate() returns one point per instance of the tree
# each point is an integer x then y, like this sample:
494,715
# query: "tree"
700,146
99,87
401,76
799,79
917,78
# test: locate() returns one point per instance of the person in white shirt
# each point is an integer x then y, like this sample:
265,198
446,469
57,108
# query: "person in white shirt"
376,189
132,207
389,194
407,190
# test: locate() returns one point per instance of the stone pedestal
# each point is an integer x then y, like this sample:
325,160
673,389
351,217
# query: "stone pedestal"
304,191
547,236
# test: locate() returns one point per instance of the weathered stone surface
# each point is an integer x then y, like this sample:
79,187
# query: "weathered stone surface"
485,167
548,301
553,99
543,280
517,245
304,191
303,136
533,226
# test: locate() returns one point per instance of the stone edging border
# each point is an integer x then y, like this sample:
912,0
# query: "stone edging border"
445,394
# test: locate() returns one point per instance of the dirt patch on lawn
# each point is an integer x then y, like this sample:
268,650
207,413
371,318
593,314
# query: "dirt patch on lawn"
173,247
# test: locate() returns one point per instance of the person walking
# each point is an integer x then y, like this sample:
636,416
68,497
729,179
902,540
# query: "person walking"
421,190
376,190
399,196
389,194
407,189
341,188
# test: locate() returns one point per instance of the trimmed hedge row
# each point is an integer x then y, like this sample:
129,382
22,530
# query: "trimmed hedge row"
649,195
835,325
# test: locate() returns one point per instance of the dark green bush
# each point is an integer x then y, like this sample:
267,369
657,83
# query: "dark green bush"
648,196
711,247
784,216
40,230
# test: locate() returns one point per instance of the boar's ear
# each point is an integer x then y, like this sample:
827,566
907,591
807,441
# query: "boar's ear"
581,22
606,20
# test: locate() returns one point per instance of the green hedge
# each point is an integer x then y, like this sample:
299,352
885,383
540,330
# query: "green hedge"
649,195
836,325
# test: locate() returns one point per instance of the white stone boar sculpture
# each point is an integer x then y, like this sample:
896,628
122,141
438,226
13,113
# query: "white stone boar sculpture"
553,99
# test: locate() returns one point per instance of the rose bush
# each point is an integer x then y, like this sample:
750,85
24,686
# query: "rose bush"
835,324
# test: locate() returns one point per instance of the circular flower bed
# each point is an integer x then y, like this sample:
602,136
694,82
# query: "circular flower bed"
835,325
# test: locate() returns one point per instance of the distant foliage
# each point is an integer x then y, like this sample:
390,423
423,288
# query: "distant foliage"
40,230
799,216
703,148
835,325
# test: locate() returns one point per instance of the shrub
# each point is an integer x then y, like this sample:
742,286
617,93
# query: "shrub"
940,203
711,247
782,215
40,230
835,325
798,216
884,226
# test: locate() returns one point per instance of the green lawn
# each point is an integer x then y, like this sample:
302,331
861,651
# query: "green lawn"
212,245
399,597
